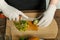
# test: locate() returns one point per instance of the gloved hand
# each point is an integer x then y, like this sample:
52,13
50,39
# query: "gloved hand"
48,16
11,12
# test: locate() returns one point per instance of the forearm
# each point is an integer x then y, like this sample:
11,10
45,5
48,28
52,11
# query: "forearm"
3,5
53,2
52,5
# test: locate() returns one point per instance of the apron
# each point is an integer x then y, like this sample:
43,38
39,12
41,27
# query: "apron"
28,4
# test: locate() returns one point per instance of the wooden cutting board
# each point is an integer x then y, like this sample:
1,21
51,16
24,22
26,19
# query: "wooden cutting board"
47,32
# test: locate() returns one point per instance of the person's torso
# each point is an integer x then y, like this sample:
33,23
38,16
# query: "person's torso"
28,4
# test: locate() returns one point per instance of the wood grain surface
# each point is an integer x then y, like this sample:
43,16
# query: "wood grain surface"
49,32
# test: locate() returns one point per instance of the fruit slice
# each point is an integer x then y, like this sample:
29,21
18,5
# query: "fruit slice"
33,38
32,26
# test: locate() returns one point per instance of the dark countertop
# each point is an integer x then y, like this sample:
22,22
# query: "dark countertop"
2,27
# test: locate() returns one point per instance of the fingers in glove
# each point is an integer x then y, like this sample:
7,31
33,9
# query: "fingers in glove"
18,18
21,13
45,22
14,19
10,18
48,23
41,21
25,16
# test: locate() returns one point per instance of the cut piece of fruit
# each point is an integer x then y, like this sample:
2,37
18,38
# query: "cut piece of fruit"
32,26
33,38
25,25
35,21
